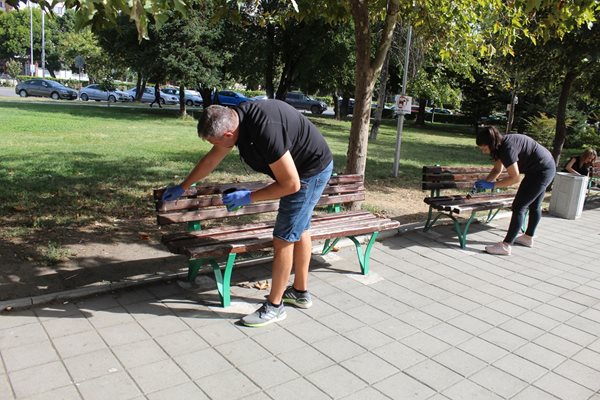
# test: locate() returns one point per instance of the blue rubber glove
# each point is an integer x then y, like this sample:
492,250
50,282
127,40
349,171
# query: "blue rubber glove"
172,193
237,199
483,184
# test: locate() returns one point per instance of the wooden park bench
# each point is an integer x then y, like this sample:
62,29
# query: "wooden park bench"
461,208
224,240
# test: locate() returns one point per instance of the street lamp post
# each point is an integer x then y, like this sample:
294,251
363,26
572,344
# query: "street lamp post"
43,45
30,39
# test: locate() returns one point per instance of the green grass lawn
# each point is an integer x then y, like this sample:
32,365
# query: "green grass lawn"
71,164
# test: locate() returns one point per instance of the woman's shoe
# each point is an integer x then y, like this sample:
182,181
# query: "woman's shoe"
500,249
525,240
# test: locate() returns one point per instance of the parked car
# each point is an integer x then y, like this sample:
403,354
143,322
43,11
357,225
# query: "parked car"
148,96
45,88
261,97
96,92
301,101
440,111
192,97
230,98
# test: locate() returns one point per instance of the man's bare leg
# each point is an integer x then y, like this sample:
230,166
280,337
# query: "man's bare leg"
281,269
302,254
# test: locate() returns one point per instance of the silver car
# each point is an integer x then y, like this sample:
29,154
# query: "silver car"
95,92
148,96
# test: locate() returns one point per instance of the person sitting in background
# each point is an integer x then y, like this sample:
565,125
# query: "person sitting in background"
581,164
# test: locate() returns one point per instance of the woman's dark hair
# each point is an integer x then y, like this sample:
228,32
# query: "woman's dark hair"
490,136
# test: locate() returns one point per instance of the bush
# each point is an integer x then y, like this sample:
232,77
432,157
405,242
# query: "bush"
543,129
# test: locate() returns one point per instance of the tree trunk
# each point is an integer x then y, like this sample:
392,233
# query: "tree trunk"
365,74
561,115
182,110
381,99
138,87
270,60
421,113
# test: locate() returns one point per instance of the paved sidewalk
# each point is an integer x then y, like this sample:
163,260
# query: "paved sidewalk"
431,321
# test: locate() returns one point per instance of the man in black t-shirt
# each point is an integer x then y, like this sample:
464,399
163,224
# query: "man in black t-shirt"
275,139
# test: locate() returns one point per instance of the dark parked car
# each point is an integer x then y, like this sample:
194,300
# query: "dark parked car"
45,88
230,98
303,102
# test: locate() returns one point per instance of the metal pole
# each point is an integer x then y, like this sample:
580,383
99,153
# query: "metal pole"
30,39
401,115
43,46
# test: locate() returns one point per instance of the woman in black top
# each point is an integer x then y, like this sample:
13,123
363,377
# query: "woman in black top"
580,165
518,154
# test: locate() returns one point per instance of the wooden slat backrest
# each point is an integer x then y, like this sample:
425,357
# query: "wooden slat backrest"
204,202
450,177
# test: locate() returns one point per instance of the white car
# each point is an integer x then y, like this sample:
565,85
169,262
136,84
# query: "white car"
148,96
192,97
95,92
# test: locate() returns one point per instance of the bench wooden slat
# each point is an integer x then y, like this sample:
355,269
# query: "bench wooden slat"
265,240
176,243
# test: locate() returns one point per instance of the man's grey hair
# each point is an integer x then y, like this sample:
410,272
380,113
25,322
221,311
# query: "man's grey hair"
215,121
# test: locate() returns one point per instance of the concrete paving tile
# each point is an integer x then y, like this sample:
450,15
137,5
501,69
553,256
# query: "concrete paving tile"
147,309
520,367
522,329
391,306
22,335
419,319
39,379
554,313
433,374
540,355
79,343
402,386
368,337
242,351
470,324
340,322
399,355
395,328
336,381
63,393
595,346
163,325
368,314
268,372
367,394
181,343
123,334
440,311
92,365
157,376
319,309
490,316
582,374
586,325
589,358
533,393
109,317
116,386
6,391
231,384
425,344
257,396
17,318
567,305
95,303
503,339
311,331
342,301
220,332
188,390
460,362
203,363
558,344
563,388
54,311
338,348
369,367
467,390
448,333
134,295
66,326
298,389
139,353
483,350
29,355
573,334
580,298
305,360
507,308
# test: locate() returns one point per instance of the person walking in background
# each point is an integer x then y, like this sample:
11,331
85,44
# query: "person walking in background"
518,154
273,138
580,165
156,95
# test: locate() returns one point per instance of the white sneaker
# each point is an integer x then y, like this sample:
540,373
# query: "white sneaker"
501,249
524,240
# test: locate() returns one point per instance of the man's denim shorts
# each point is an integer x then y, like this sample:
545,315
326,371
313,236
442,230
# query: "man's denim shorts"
295,210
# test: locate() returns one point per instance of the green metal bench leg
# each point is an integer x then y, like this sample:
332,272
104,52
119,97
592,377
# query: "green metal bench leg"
462,232
193,268
364,258
223,278
491,215
328,247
